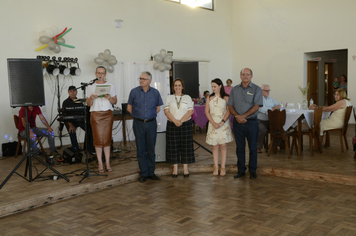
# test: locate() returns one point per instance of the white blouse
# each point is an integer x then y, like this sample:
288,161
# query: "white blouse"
185,104
101,103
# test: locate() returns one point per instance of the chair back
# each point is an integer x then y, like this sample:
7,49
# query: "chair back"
16,121
277,119
346,120
318,113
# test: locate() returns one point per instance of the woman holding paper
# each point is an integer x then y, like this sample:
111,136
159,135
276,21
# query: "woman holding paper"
101,118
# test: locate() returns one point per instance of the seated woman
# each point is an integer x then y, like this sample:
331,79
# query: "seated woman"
336,120
206,95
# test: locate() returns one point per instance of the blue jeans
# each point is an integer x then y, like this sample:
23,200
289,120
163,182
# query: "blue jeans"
40,132
145,135
248,131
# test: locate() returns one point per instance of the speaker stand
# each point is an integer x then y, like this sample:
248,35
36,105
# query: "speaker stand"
28,157
201,146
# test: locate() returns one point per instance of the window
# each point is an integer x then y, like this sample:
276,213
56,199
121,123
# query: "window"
206,4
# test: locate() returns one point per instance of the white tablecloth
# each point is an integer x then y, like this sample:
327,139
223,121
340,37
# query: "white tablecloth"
293,115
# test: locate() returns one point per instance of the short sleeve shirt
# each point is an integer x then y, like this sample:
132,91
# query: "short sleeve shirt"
243,99
101,103
31,117
185,104
144,104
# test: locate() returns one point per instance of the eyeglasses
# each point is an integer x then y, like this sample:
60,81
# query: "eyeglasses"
267,90
143,79
246,74
100,73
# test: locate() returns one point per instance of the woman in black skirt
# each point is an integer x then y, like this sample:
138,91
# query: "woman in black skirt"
179,134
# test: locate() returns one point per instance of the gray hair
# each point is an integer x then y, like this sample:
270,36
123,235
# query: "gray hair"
263,85
147,73
246,69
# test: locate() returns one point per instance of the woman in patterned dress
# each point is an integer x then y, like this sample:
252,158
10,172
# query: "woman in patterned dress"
219,130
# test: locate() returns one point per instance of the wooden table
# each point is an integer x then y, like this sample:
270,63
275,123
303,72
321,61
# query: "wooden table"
296,116
123,118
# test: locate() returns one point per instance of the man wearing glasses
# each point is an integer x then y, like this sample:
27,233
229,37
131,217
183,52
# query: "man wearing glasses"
262,116
144,104
244,102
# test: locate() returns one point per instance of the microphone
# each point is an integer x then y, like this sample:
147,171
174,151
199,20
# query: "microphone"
94,80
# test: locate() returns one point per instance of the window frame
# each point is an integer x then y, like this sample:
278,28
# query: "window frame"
205,8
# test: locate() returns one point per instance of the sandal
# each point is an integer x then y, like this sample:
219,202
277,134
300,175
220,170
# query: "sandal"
101,170
109,169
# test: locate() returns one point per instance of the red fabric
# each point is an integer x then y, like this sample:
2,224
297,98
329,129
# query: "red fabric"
31,117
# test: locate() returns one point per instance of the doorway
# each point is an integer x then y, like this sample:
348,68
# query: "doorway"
328,84
312,80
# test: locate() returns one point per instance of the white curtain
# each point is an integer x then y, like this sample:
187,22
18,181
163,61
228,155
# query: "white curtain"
126,77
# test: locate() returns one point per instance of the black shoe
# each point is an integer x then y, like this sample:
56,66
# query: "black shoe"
253,175
239,175
143,179
174,176
153,177
186,175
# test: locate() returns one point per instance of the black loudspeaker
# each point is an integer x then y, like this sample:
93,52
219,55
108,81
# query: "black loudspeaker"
160,148
26,84
189,73
71,155
124,109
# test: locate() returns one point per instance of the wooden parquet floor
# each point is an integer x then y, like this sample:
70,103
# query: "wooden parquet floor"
200,205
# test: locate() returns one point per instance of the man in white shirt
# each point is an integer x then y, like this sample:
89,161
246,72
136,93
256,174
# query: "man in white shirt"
262,116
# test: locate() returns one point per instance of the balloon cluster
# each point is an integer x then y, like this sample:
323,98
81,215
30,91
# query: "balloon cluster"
53,42
162,61
107,60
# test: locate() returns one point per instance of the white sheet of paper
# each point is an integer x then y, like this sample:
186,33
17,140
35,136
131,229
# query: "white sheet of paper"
102,90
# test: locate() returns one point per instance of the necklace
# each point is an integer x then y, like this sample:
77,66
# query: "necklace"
178,103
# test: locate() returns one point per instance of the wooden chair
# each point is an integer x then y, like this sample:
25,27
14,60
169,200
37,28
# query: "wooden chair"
277,119
342,131
314,132
20,138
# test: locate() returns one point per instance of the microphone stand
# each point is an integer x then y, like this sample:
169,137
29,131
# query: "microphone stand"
87,173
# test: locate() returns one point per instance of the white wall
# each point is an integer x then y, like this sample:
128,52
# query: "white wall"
147,27
271,38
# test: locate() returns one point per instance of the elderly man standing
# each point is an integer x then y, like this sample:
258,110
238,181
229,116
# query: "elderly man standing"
244,102
262,116
144,104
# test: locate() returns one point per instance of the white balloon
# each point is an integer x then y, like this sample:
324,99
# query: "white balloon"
49,33
158,58
57,49
52,45
61,40
106,64
156,65
101,55
162,52
112,57
168,59
45,39
107,54
168,67
112,61
99,60
162,66
110,69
